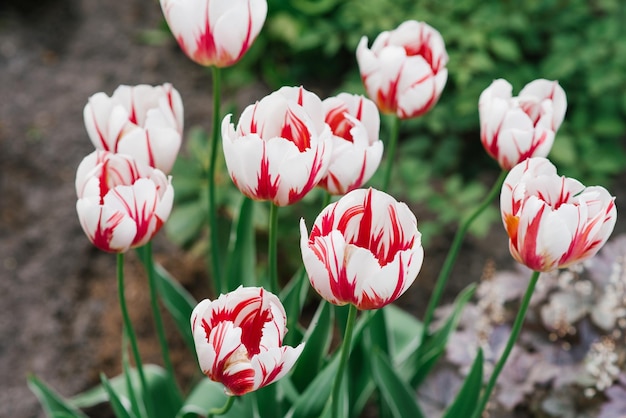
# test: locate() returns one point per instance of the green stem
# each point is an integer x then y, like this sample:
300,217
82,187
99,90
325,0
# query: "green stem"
130,332
216,267
444,274
517,327
224,409
158,321
272,249
343,360
391,150
326,199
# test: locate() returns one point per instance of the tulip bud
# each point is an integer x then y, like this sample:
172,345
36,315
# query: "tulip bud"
405,70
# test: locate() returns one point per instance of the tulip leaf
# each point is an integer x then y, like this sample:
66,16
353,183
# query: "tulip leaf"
399,396
314,398
178,302
425,357
404,329
317,340
467,398
294,296
207,395
156,378
242,261
114,399
377,333
185,222
53,404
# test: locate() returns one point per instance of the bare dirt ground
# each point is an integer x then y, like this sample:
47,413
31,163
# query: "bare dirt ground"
59,315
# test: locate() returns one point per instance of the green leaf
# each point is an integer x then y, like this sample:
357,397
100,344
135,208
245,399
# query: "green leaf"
467,398
404,329
317,338
53,404
294,296
178,302
314,398
242,259
207,395
399,396
433,347
114,399
156,378
185,222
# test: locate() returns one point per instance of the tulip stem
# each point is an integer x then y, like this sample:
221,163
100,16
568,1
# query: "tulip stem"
148,259
343,360
272,250
444,273
216,268
326,200
517,327
224,409
130,333
391,150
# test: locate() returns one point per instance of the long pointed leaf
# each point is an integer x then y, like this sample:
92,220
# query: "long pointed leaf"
433,347
467,398
317,339
207,395
178,302
114,399
53,404
294,296
242,259
400,397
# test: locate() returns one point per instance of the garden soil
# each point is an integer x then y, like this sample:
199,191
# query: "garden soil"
59,316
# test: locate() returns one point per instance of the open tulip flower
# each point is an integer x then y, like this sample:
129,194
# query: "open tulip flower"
122,203
513,129
142,121
405,70
238,339
553,221
215,32
281,148
355,124
365,249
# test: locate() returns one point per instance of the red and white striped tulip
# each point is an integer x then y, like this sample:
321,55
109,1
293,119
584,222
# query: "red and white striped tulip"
145,122
364,249
281,148
357,150
239,337
215,32
553,221
122,203
513,129
405,70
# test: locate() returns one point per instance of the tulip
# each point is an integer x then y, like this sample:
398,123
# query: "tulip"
405,70
513,129
553,221
281,148
357,149
143,121
365,249
215,32
122,203
238,339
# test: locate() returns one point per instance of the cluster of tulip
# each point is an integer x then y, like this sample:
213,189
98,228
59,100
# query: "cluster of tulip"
364,249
